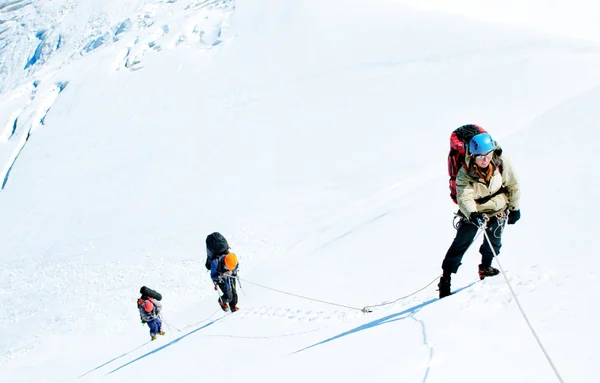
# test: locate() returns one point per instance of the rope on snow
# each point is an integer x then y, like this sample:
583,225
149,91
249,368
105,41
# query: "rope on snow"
366,309
523,313
301,296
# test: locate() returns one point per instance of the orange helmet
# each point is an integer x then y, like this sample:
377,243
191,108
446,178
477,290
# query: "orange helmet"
230,261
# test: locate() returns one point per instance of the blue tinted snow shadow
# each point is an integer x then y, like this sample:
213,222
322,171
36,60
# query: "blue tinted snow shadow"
381,321
14,128
95,43
112,360
124,27
426,344
5,179
36,55
165,346
61,85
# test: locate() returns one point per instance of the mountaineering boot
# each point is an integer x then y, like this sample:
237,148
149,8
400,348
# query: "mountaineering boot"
234,309
223,305
153,336
444,287
161,332
488,271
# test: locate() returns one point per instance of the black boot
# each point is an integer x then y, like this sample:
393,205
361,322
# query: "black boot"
487,271
444,286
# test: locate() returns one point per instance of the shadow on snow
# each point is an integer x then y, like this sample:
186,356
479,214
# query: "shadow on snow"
165,346
381,321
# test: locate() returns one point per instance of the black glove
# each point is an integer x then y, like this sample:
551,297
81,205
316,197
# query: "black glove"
477,218
513,216
143,321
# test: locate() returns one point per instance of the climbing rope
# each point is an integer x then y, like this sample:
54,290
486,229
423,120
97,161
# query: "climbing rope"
168,325
401,298
301,296
366,309
523,312
203,320
502,217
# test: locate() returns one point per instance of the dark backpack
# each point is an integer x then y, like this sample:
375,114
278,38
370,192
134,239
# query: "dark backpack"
459,140
148,292
216,245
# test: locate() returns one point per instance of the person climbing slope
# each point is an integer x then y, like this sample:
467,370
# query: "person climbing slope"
487,194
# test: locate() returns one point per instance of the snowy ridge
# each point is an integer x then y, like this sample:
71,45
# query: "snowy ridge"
52,34
26,121
194,23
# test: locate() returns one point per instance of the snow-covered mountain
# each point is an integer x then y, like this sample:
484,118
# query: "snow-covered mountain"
314,136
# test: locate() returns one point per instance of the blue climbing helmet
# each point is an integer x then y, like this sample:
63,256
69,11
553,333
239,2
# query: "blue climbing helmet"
481,143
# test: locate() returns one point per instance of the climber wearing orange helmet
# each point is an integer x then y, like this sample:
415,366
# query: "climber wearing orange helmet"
223,271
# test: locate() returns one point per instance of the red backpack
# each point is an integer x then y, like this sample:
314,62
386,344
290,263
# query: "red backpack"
459,140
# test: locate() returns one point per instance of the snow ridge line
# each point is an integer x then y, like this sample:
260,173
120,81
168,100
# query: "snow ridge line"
37,120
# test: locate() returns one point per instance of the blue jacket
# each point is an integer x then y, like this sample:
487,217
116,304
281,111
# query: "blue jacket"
217,270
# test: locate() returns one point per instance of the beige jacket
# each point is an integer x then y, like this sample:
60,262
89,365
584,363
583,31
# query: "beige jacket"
501,193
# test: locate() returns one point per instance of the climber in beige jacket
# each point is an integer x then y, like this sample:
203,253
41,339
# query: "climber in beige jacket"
488,196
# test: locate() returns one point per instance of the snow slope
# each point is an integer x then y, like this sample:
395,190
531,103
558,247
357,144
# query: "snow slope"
314,136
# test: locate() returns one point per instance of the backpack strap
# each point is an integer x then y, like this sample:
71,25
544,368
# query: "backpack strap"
220,262
498,159
485,199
